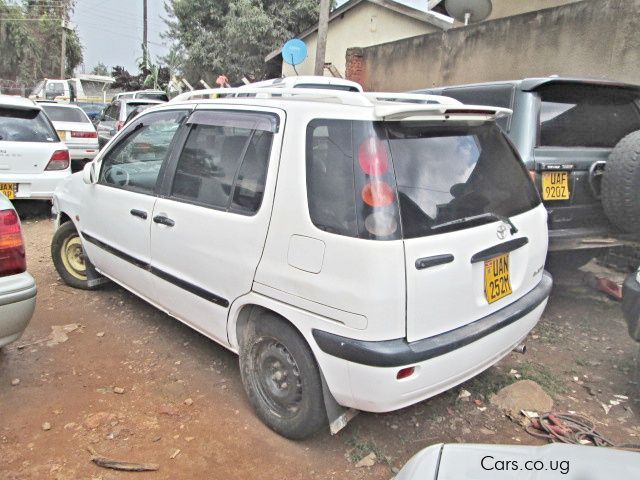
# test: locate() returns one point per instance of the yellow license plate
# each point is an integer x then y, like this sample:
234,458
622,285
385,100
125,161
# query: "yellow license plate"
497,282
555,186
62,135
9,190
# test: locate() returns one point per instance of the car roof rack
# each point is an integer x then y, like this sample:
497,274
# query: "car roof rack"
388,105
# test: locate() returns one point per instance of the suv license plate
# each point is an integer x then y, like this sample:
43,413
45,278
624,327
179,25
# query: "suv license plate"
555,186
9,190
497,282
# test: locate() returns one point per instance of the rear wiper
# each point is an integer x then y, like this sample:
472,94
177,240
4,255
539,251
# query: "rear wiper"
473,218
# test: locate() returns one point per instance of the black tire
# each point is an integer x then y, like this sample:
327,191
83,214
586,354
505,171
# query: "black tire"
569,260
68,256
271,354
621,184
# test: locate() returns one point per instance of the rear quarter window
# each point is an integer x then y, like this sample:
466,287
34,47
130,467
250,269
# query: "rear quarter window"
18,125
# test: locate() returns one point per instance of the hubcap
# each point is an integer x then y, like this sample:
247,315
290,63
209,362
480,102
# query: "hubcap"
277,378
73,257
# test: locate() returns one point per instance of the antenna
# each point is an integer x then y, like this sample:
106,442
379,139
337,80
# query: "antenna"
468,11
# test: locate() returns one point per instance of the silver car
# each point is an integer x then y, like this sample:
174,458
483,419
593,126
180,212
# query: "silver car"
17,286
520,462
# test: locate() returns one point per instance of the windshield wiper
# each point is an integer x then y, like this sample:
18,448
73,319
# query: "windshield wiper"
473,218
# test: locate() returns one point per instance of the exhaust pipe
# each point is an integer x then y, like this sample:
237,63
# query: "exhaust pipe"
522,348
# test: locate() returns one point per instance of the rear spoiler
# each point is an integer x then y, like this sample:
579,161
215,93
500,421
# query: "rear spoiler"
440,112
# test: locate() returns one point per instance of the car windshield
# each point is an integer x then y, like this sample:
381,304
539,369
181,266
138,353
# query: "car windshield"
65,114
574,115
17,125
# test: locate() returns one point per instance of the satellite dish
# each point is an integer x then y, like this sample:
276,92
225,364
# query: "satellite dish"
468,10
294,52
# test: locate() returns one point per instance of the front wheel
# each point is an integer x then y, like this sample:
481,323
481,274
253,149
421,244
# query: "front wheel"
281,378
68,256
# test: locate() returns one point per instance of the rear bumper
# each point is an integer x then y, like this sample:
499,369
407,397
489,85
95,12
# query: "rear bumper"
587,238
398,352
35,186
84,152
439,362
17,302
631,305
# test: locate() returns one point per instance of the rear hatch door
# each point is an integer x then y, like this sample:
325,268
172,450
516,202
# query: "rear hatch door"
27,140
579,125
474,230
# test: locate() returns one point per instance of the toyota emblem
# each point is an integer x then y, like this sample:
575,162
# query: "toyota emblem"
502,231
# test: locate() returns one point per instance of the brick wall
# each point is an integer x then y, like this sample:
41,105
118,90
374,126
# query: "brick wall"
354,69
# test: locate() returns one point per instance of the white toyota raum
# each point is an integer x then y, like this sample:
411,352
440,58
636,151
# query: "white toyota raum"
356,250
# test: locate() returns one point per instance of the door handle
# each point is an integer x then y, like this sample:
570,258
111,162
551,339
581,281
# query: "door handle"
162,220
138,213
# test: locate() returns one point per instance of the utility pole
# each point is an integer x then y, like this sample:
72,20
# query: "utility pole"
321,47
145,44
63,47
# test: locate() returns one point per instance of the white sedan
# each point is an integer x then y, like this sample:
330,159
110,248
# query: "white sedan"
33,160
75,129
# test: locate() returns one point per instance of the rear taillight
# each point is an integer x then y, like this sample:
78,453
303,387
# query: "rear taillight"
119,125
84,134
378,211
12,256
59,160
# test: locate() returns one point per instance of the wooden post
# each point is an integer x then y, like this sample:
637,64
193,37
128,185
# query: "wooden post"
321,47
63,48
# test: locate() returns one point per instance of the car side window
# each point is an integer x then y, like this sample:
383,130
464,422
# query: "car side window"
135,161
224,161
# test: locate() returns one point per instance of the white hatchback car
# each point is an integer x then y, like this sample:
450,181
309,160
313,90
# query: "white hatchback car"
76,130
354,251
33,160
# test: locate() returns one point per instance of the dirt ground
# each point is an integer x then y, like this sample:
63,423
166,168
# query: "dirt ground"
181,403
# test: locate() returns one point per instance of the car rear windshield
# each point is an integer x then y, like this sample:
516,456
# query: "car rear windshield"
130,106
326,86
65,114
574,115
17,125
154,96
389,180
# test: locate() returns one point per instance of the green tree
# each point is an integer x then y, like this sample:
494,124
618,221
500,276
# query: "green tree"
30,39
232,37
100,69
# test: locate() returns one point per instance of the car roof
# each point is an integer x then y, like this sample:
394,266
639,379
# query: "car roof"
304,79
533,83
18,102
368,105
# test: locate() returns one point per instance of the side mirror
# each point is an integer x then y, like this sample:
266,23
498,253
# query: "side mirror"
88,173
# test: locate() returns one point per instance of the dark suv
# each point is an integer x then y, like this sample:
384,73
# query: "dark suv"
580,141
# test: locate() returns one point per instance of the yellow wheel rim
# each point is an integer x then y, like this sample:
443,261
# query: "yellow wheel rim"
73,257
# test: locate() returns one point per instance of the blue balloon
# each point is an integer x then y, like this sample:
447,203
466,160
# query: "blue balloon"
294,52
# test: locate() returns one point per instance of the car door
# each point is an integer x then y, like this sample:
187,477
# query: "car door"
117,211
210,223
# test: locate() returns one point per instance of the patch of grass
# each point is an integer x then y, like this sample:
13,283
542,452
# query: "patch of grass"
543,377
361,447
490,381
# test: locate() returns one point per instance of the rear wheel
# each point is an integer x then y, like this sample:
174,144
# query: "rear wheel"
621,184
68,256
281,378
